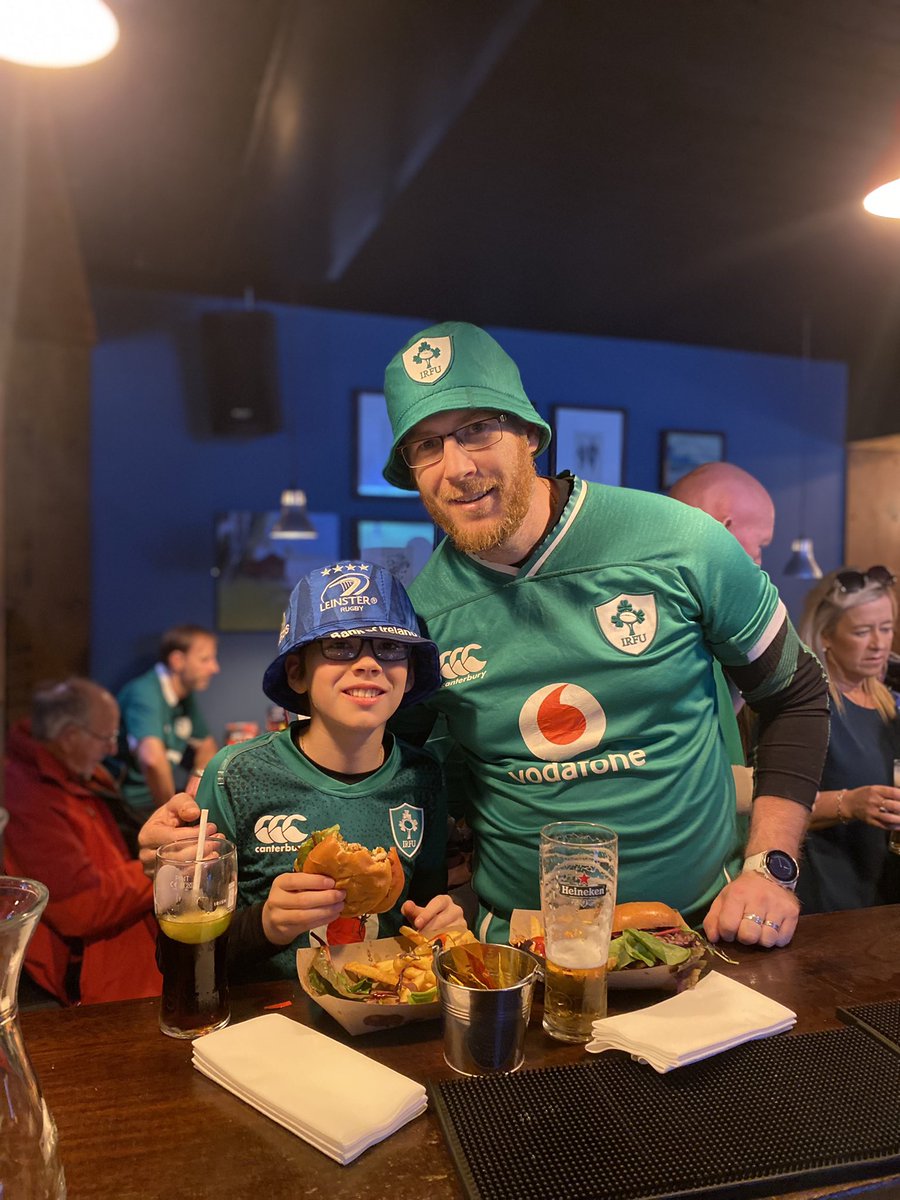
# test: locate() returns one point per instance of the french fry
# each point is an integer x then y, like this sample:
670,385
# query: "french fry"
383,972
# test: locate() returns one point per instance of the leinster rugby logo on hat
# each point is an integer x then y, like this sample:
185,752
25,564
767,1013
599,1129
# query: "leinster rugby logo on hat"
628,622
428,359
347,593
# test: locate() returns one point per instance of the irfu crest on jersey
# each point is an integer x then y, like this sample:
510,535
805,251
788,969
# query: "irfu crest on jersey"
408,828
628,622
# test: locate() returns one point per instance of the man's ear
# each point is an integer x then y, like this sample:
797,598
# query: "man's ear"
175,661
410,677
534,439
295,674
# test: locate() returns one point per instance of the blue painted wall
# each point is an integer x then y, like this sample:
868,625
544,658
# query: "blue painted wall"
157,484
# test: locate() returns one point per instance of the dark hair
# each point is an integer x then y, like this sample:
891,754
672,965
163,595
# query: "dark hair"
56,705
181,637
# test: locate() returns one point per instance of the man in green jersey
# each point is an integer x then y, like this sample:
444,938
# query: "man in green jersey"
577,626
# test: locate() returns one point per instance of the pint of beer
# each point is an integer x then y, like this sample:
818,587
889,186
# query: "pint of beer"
894,839
194,894
579,862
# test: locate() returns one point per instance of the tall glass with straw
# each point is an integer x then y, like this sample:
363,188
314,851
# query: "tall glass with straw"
194,895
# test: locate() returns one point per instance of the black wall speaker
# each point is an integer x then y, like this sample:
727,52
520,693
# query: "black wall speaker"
241,372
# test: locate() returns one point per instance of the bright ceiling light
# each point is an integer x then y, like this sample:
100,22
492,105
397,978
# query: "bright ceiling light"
884,201
56,33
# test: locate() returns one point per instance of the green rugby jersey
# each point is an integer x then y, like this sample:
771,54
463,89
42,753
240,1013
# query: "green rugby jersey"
580,686
150,708
267,797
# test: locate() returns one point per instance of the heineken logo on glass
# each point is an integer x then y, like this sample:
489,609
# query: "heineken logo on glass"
583,889
428,359
628,622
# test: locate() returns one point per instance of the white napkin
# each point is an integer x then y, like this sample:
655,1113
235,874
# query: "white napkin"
715,1015
335,1098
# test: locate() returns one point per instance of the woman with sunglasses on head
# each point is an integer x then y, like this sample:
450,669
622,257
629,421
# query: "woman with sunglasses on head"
849,620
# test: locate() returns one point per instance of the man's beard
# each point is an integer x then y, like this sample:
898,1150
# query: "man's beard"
515,494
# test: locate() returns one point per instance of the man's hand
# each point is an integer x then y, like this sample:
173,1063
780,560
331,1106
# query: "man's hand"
753,910
439,914
174,821
297,902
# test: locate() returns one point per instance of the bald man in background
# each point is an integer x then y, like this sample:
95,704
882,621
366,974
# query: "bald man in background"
735,499
738,501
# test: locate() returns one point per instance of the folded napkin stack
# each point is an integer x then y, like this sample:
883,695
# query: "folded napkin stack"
335,1098
715,1015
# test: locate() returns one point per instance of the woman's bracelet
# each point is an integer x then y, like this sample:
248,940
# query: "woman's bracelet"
840,814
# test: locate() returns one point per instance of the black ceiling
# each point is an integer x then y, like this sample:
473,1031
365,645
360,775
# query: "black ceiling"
682,170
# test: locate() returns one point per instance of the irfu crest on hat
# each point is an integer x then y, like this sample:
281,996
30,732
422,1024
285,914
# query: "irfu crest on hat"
428,359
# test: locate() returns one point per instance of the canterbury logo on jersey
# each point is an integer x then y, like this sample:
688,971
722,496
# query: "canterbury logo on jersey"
276,833
462,663
559,722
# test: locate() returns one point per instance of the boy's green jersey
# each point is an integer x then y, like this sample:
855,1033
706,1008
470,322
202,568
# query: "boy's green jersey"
579,685
267,797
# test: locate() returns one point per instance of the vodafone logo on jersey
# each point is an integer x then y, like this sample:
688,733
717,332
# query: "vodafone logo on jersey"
279,832
560,721
462,663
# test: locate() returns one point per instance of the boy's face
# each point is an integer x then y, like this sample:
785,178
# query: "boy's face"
359,695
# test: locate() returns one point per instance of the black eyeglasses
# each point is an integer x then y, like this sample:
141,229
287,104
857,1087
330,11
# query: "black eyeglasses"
477,435
854,581
350,648
111,739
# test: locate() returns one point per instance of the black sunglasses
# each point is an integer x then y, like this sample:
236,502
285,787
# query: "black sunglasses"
855,581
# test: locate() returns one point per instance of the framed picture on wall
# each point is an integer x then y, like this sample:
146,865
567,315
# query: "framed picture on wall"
255,573
373,445
402,546
590,442
683,449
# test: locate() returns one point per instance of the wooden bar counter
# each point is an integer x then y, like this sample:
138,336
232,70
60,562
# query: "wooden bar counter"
137,1120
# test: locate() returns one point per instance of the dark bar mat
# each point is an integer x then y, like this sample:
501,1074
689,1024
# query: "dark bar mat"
770,1116
881,1020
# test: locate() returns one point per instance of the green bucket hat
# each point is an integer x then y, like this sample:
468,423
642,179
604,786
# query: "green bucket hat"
453,365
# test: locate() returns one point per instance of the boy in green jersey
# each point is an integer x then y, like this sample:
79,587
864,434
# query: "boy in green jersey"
349,655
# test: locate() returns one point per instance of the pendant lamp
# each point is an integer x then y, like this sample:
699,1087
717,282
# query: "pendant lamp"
56,33
293,521
802,563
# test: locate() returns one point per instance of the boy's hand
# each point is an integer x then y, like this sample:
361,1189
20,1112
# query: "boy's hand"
298,902
439,914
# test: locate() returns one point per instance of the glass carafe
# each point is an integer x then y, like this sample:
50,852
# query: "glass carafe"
29,1162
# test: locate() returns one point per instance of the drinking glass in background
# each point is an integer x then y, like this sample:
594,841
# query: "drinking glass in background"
894,839
579,862
194,894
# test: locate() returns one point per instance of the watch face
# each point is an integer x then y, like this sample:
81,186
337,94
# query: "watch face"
781,866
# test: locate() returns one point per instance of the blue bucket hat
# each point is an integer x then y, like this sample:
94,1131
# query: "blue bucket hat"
453,365
352,599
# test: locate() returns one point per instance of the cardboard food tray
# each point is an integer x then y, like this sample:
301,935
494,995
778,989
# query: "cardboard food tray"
525,923
362,1016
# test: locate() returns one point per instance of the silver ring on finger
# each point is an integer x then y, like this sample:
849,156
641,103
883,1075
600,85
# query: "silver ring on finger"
754,917
776,925
882,808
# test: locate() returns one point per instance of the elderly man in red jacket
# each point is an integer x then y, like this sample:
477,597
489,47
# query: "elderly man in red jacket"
97,938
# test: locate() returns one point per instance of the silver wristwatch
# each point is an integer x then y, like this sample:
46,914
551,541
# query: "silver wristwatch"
777,865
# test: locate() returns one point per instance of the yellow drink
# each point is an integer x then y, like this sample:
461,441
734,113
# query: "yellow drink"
574,992
195,927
